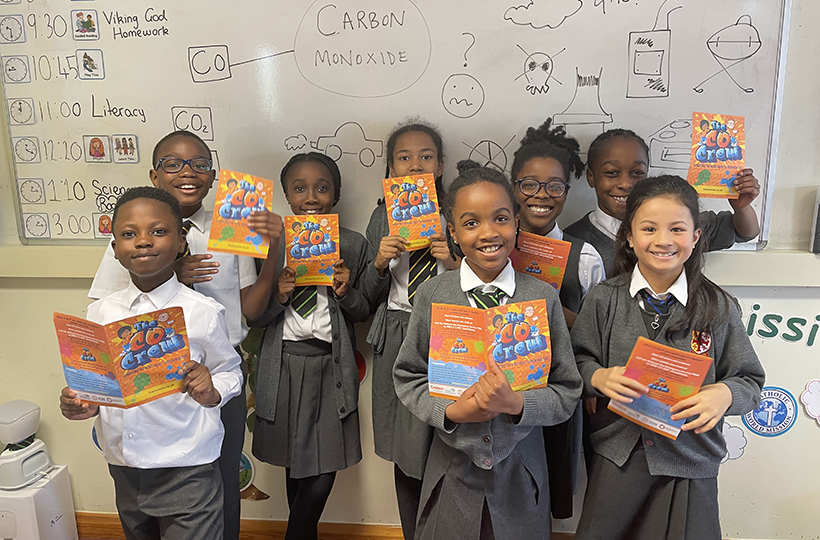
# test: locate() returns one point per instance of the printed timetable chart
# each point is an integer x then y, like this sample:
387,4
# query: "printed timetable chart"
76,131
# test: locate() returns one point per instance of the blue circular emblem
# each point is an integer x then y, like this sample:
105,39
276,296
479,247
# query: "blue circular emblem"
775,415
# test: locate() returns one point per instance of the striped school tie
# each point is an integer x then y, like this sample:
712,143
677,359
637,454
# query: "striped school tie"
661,307
304,300
487,299
186,226
422,268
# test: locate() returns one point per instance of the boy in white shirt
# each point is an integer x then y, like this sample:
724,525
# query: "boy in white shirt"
163,454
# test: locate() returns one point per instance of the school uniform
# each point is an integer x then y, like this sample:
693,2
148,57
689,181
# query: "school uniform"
563,442
643,485
398,435
307,382
163,454
600,230
235,273
487,479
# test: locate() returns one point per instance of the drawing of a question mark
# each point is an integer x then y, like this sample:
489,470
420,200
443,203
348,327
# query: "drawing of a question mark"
468,48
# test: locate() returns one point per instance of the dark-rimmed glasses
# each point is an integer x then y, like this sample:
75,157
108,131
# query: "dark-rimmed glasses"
174,165
530,187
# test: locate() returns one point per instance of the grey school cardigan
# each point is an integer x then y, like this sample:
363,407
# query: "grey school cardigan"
603,336
343,313
486,443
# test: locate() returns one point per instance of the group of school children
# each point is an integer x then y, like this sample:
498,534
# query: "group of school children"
495,463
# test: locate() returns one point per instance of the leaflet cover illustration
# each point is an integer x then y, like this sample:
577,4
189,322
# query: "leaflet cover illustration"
412,208
718,153
672,375
312,247
462,339
125,363
237,195
541,257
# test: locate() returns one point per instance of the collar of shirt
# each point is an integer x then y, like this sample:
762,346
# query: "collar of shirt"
198,218
556,233
159,296
678,289
504,281
605,223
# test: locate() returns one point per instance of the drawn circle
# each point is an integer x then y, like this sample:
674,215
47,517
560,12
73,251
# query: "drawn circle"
489,154
16,69
462,95
20,111
348,50
775,415
367,157
739,41
333,152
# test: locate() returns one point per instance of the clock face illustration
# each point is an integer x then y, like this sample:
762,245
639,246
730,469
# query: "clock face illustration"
16,69
21,111
11,29
26,150
31,192
36,225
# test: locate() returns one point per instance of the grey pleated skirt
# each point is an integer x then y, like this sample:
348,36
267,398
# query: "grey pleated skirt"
307,435
398,434
628,503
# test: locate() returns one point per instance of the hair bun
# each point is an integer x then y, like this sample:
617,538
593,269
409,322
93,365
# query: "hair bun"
466,165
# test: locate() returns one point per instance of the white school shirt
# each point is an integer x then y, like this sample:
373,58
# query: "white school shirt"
505,281
679,289
400,272
590,264
605,223
235,273
173,431
316,325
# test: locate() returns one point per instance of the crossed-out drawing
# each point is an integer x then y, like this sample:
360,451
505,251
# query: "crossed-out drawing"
490,154
538,71
731,46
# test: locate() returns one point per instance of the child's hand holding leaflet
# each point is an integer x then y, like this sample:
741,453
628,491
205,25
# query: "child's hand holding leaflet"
710,404
495,395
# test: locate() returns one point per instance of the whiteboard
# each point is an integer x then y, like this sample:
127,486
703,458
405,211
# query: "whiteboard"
90,86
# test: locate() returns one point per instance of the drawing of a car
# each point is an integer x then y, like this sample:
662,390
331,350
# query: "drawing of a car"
350,140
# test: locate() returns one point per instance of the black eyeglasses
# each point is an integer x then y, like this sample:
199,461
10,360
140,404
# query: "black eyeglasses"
174,165
530,187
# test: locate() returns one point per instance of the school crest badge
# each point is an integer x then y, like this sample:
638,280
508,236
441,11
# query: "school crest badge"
701,342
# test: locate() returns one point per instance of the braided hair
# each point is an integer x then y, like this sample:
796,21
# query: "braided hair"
546,141
600,142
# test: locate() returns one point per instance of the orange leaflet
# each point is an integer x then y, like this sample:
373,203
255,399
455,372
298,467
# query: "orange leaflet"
671,375
462,339
412,208
237,195
541,257
125,363
718,153
312,247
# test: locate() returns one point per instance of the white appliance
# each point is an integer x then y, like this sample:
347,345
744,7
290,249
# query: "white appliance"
35,495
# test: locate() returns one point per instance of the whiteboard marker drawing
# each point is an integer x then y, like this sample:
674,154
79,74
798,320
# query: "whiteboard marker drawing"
468,48
296,142
462,95
490,154
538,68
649,54
198,120
540,14
731,46
209,63
348,140
670,147
585,109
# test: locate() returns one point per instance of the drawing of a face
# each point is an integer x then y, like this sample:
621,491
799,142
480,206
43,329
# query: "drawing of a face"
537,70
462,95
